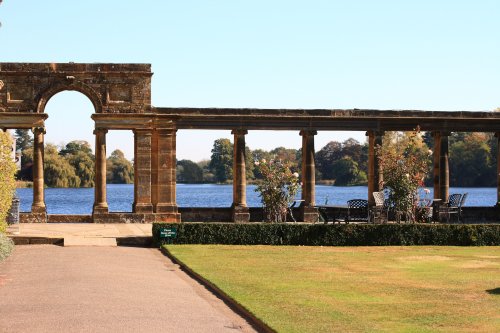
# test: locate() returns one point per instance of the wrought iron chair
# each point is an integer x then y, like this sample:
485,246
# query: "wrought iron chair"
357,210
379,211
451,207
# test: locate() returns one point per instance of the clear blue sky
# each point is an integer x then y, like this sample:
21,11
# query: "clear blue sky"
431,55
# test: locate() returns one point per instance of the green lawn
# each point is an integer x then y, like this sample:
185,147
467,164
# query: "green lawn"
357,289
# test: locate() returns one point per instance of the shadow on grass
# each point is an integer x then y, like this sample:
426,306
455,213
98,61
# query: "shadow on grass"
495,291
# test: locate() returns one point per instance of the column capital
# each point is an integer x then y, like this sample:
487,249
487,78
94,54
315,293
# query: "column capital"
38,130
441,133
239,132
143,131
308,132
374,133
100,130
166,131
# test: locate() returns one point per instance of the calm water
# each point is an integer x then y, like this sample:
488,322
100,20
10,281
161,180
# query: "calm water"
120,197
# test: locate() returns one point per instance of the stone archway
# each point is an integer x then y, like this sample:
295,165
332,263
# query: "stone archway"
118,89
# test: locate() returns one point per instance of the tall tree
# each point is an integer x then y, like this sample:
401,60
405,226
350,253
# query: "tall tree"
119,169
471,161
325,158
79,154
58,172
23,139
221,161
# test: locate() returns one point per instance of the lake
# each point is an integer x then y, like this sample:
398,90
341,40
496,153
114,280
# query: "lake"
121,197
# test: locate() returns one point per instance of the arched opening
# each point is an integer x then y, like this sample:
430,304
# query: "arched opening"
69,160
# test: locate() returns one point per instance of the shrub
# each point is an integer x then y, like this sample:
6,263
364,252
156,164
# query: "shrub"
404,161
277,190
7,177
331,235
6,246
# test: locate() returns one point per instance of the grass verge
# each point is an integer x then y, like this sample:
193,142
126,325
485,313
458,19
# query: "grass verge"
357,289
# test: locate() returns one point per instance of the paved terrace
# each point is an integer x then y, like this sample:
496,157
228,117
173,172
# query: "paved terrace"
46,288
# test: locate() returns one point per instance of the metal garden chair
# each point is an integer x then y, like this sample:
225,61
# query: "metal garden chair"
357,210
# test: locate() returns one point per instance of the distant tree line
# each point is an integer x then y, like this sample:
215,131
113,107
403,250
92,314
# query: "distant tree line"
340,163
472,162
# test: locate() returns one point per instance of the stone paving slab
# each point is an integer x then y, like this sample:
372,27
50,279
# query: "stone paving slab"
62,230
46,288
89,241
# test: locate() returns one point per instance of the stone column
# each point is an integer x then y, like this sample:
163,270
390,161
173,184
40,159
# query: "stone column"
142,171
436,160
375,176
38,206
444,173
100,202
239,206
164,174
308,212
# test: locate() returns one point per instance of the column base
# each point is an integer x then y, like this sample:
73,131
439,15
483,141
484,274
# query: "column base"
165,208
142,208
308,214
38,209
240,214
100,209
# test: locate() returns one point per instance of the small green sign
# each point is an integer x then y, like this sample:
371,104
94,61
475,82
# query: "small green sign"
168,233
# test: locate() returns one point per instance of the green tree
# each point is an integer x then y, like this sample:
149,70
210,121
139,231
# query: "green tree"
346,172
23,139
208,176
471,162
7,179
221,161
119,169
58,172
189,172
325,158
79,155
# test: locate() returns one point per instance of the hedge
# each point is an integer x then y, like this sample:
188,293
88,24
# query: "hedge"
331,234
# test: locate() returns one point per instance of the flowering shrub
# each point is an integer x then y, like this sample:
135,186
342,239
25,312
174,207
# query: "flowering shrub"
277,190
404,161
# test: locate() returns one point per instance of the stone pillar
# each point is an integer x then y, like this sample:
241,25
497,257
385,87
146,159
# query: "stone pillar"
142,171
375,176
308,212
100,202
239,206
38,206
164,174
444,172
436,158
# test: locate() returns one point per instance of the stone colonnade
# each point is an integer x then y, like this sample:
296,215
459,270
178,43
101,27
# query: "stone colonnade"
155,173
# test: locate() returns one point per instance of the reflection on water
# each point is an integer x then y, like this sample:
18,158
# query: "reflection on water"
121,197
